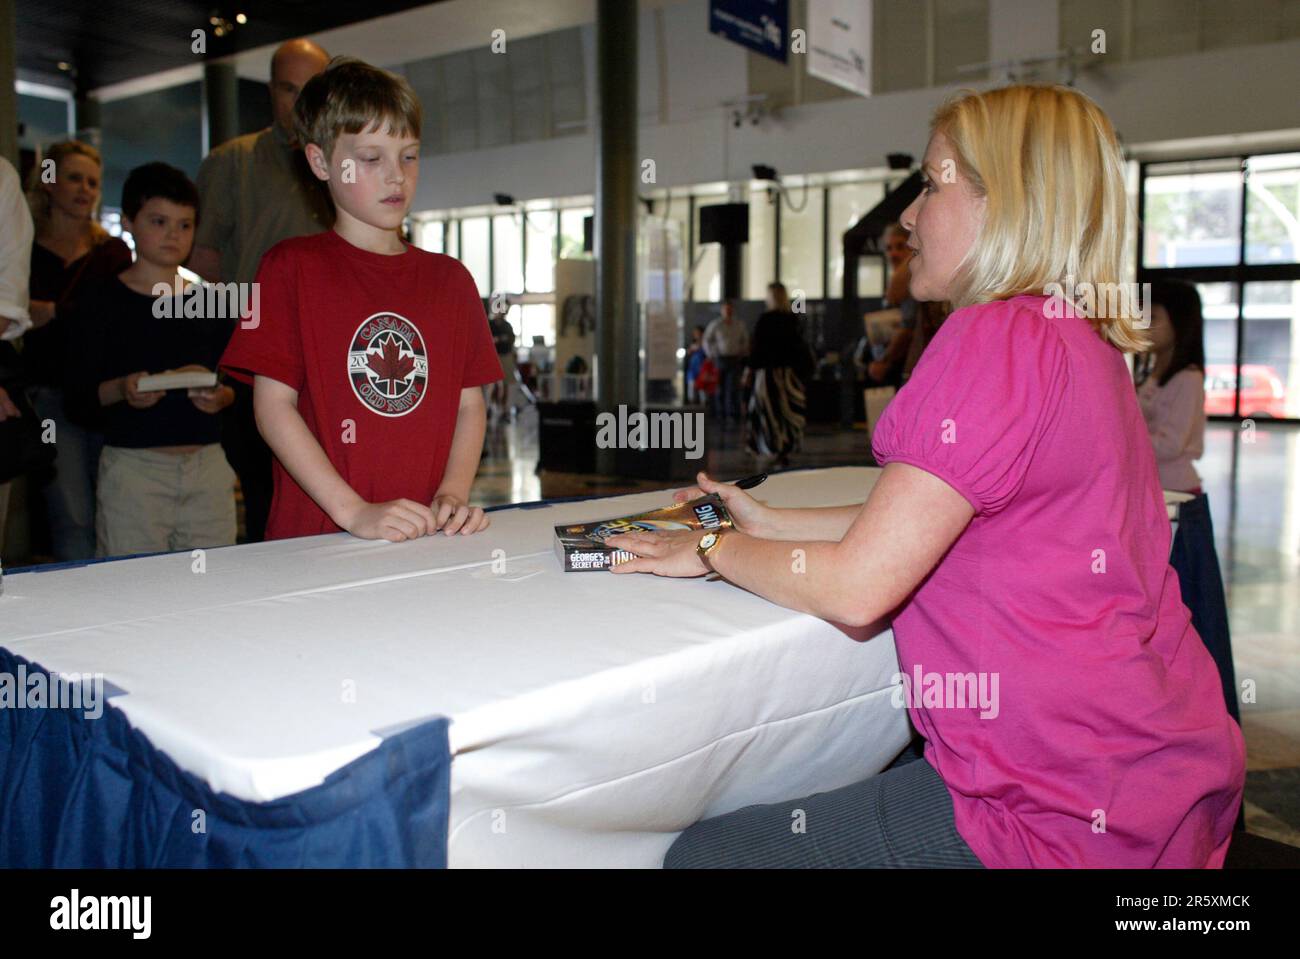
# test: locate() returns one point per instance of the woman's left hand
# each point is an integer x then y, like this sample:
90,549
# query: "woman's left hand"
664,553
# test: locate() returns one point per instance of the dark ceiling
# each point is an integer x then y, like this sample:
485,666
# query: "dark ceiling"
108,41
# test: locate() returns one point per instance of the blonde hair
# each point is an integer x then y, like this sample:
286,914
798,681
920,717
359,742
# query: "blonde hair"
351,96
1048,164
38,198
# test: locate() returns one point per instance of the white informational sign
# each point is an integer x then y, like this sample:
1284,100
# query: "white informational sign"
839,43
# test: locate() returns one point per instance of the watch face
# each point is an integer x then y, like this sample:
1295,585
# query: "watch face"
708,540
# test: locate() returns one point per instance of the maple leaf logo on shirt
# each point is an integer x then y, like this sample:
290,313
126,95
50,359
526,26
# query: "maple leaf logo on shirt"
389,366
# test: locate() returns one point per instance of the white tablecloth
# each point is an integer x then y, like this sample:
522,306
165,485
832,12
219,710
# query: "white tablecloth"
593,717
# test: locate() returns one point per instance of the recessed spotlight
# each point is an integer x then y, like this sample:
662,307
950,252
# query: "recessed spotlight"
240,18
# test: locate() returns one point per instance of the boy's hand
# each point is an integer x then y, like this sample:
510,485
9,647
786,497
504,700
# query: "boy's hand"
453,515
396,521
134,398
212,400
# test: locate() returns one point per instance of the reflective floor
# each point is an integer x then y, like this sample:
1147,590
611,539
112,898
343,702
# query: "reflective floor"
1252,477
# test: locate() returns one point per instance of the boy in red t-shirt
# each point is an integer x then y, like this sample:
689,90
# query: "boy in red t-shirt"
366,355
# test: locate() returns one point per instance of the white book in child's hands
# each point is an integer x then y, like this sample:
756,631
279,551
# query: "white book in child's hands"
188,380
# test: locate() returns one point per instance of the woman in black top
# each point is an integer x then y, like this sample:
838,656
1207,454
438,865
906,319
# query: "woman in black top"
779,367
72,254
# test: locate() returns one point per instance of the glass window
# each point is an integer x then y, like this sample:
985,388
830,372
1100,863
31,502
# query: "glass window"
1270,349
1193,214
451,235
706,282
536,319
429,235
571,233
474,252
760,252
801,241
539,271
1219,310
849,203
1273,208
507,253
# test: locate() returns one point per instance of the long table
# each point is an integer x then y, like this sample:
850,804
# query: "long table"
593,717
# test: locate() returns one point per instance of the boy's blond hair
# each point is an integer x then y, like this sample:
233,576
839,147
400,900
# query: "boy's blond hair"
1048,163
350,97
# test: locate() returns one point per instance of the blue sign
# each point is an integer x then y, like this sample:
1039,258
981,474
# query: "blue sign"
761,25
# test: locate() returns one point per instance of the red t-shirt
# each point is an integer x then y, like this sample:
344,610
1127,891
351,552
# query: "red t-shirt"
379,348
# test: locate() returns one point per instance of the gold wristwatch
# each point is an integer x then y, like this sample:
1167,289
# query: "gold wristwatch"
708,545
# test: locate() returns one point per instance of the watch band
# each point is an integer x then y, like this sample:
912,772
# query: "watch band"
705,552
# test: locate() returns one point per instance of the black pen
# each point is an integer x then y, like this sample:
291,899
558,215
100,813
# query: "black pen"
749,482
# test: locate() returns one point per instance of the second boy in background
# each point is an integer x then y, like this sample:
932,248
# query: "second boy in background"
164,483
368,355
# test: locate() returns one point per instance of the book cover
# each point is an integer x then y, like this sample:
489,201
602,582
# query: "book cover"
188,380
581,547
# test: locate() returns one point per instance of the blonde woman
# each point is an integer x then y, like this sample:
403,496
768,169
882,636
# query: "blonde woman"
1016,532
71,257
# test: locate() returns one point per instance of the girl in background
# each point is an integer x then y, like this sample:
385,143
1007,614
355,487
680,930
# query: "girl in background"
1171,383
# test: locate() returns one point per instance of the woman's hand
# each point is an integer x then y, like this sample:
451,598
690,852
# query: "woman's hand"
664,553
748,514
453,515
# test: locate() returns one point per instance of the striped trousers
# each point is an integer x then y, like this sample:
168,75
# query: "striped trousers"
900,818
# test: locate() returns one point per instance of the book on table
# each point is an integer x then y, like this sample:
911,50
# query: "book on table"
581,547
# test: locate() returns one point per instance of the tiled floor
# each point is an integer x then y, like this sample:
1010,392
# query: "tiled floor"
1252,477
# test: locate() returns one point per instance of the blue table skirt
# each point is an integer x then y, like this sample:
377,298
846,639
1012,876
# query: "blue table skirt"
90,793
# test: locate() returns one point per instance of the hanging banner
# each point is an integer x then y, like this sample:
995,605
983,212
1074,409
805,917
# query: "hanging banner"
761,25
839,43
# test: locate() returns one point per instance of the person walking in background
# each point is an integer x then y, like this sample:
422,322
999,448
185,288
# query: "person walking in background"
695,357
726,343
779,370
72,254
503,339
255,191
1171,383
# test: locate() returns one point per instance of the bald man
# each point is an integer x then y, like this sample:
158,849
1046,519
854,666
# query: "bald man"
255,191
